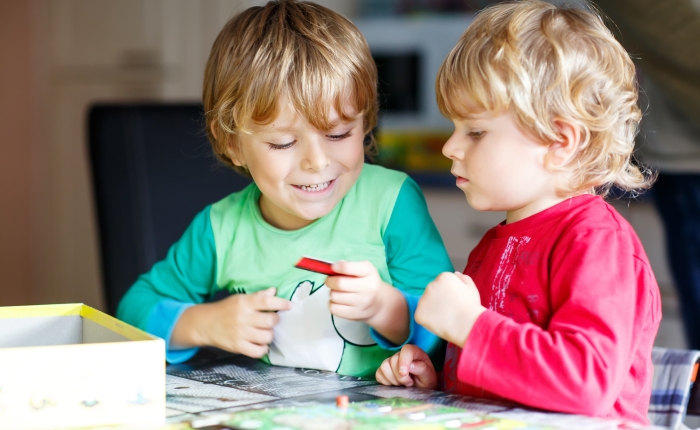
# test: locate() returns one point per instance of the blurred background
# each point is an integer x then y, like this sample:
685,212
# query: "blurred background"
59,57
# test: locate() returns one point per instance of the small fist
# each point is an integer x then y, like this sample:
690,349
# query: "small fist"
358,294
409,367
449,307
244,323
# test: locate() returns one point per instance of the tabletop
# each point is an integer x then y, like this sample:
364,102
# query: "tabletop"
214,385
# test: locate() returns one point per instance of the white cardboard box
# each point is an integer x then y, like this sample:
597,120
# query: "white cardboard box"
68,366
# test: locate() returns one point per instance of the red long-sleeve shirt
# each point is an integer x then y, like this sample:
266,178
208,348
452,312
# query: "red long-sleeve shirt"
573,309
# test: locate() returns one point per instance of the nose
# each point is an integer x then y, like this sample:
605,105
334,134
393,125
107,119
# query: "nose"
315,157
452,149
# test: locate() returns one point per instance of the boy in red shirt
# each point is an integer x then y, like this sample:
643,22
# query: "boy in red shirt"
558,306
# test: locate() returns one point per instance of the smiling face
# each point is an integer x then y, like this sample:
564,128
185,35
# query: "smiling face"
302,172
499,167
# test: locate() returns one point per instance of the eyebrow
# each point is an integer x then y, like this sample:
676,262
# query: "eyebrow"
476,116
269,129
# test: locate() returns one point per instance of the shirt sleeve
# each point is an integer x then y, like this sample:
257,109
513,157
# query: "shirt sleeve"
186,277
415,256
601,297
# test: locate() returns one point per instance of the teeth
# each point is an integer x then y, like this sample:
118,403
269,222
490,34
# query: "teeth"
315,187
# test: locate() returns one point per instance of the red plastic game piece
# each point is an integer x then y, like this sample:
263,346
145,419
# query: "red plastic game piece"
315,265
342,402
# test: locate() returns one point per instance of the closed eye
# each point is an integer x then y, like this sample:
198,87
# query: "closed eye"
282,146
476,135
339,136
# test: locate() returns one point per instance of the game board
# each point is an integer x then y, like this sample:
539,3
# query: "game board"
380,414
222,384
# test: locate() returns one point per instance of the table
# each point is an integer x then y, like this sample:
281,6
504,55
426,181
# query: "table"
217,384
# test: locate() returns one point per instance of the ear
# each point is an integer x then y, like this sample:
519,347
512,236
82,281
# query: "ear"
563,150
232,149
234,152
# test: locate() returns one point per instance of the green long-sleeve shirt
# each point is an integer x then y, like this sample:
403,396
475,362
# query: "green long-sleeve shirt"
229,246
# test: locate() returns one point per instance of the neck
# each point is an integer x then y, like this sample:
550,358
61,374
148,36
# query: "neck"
533,208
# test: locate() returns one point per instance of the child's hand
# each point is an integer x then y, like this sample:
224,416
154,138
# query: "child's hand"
410,367
357,296
241,323
449,307
363,296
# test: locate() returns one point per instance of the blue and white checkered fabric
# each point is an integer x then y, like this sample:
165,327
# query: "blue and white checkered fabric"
673,369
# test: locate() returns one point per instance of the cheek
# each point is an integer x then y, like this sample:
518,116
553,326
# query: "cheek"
350,154
268,167
533,163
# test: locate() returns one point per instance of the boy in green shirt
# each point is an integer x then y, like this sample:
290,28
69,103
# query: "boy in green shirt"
289,96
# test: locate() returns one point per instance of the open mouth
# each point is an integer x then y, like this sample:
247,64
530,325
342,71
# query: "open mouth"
314,188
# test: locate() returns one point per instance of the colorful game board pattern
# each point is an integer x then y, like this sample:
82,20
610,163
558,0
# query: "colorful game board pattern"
380,414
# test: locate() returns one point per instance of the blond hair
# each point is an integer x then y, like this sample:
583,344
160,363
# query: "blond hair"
545,63
307,53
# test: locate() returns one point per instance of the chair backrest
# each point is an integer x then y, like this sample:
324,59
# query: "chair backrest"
673,392
153,171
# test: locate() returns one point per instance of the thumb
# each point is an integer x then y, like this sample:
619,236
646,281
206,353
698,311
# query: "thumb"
422,372
406,357
418,368
353,268
269,292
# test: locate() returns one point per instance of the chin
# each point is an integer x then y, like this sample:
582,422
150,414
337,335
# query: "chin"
314,214
477,205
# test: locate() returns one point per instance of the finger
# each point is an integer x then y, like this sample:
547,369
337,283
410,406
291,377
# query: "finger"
389,373
421,311
422,369
416,354
464,278
252,349
345,283
260,336
424,375
444,277
263,320
344,311
263,301
344,298
401,375
418,368
406,357
353,268
379,376
429,309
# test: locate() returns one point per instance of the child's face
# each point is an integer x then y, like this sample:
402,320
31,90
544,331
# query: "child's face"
499,167
301,171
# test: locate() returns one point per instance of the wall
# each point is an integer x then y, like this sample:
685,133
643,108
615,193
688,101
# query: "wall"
19,162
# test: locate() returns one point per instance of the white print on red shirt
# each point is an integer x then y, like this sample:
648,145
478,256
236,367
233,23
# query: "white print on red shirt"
505,270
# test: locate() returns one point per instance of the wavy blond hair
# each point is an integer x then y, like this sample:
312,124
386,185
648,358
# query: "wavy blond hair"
305,52
543,63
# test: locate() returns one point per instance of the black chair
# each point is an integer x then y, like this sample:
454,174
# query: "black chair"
152,170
